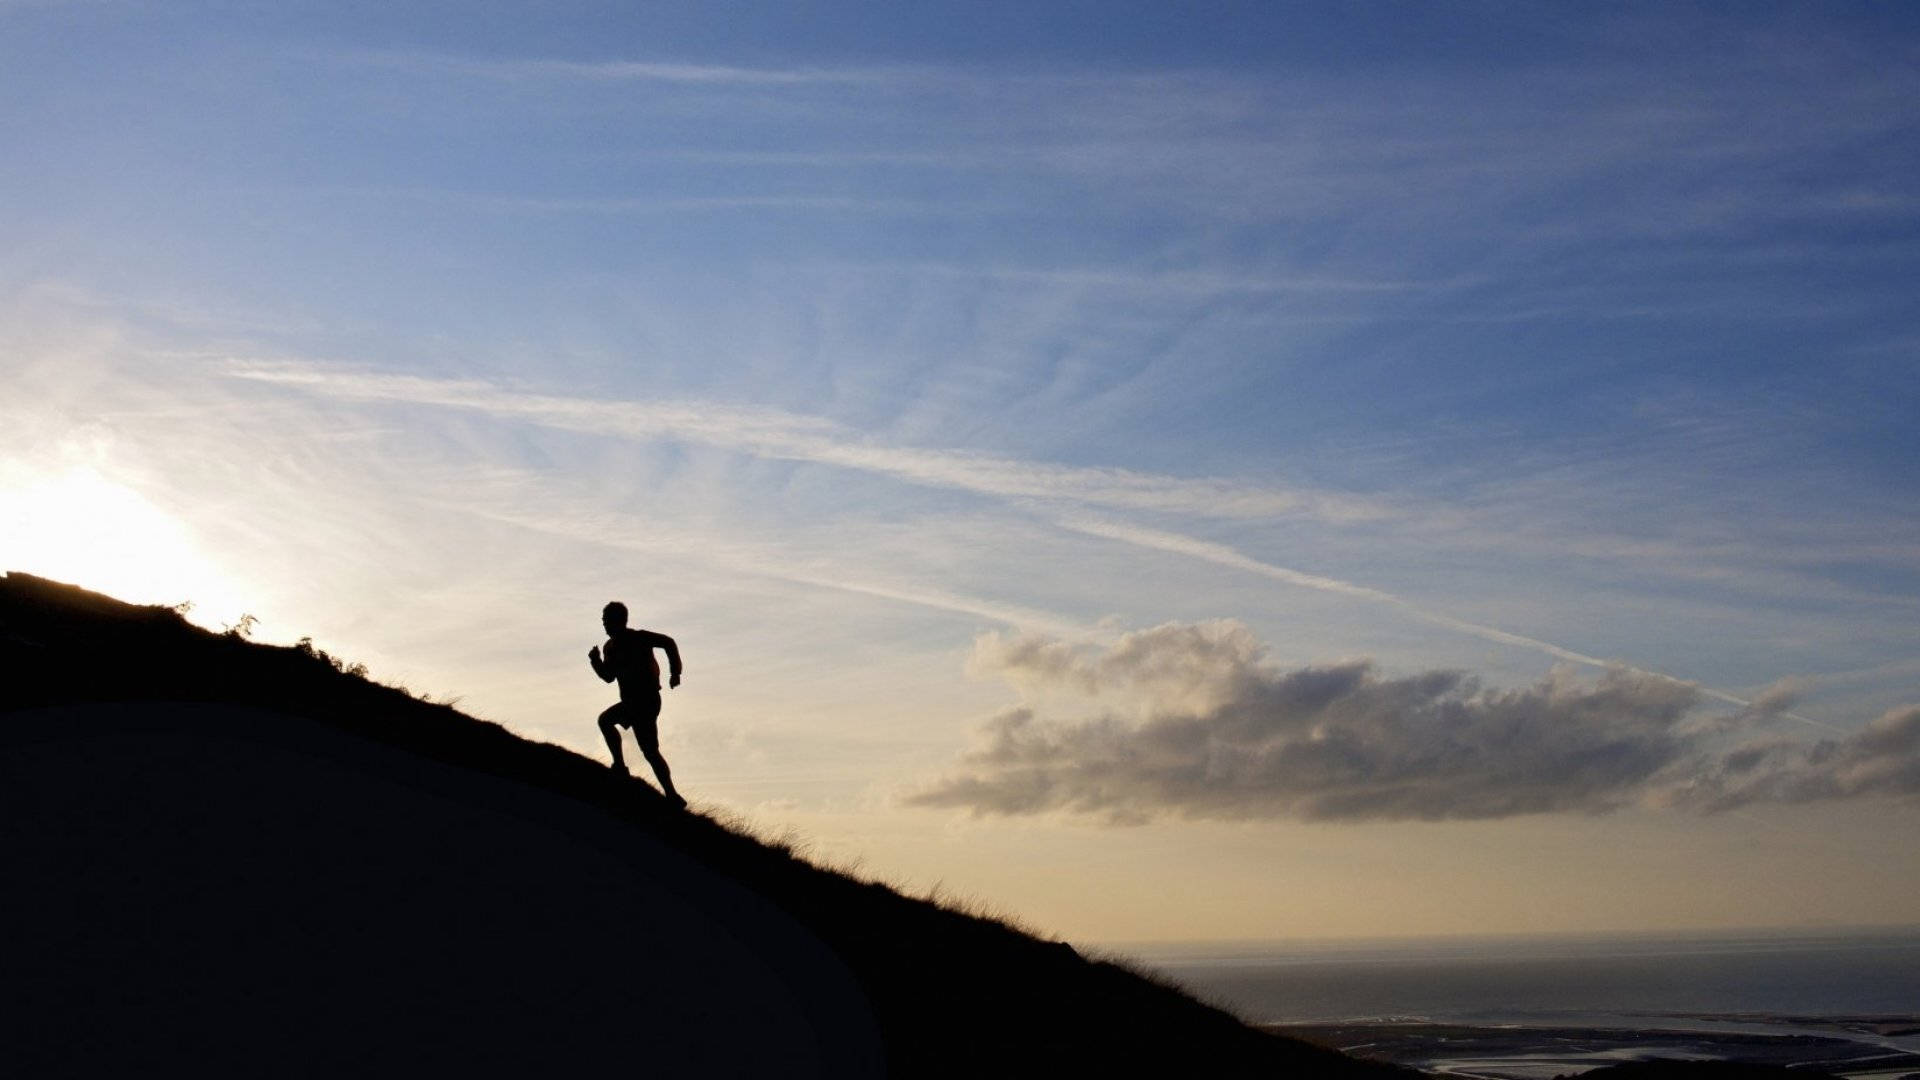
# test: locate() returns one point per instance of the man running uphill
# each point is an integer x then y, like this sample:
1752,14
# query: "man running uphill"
629,658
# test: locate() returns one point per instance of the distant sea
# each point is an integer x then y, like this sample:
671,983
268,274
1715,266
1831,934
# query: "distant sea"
1589,980
1542,1007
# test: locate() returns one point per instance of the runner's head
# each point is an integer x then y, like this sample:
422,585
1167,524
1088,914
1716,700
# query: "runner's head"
613,616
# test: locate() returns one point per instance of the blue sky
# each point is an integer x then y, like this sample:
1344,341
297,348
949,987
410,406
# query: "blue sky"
1065,379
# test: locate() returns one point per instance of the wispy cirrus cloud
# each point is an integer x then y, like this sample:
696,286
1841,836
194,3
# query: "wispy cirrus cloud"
1222,143
642,205
796,437
782,435
515,503
1179,281
629,71
1207,727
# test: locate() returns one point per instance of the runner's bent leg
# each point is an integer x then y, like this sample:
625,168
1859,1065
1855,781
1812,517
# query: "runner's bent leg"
608,720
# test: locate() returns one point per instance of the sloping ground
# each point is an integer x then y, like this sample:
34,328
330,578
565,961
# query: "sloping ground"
235,857
236,886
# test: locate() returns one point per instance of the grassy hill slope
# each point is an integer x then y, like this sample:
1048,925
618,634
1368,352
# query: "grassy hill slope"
241,856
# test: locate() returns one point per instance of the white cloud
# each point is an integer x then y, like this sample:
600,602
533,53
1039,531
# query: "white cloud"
1200,724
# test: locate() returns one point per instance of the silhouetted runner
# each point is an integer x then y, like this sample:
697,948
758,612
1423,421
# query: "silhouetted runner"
630,659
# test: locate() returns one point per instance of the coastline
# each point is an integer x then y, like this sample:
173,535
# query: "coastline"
1836,1001
1857,1048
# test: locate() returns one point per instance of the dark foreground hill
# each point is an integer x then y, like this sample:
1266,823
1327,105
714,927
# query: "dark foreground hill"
236,858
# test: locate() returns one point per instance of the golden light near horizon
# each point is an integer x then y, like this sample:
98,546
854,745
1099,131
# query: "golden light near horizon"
77,525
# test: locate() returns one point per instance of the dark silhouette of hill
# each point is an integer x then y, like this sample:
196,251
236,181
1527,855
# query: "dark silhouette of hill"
236,857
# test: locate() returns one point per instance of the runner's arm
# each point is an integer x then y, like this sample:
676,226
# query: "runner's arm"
667,645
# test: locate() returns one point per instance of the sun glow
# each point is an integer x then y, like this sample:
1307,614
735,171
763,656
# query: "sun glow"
77,526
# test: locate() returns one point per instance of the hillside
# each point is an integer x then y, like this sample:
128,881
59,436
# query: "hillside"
237,856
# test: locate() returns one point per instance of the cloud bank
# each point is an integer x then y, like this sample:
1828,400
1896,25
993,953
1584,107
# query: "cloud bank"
1211,729
1881,759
